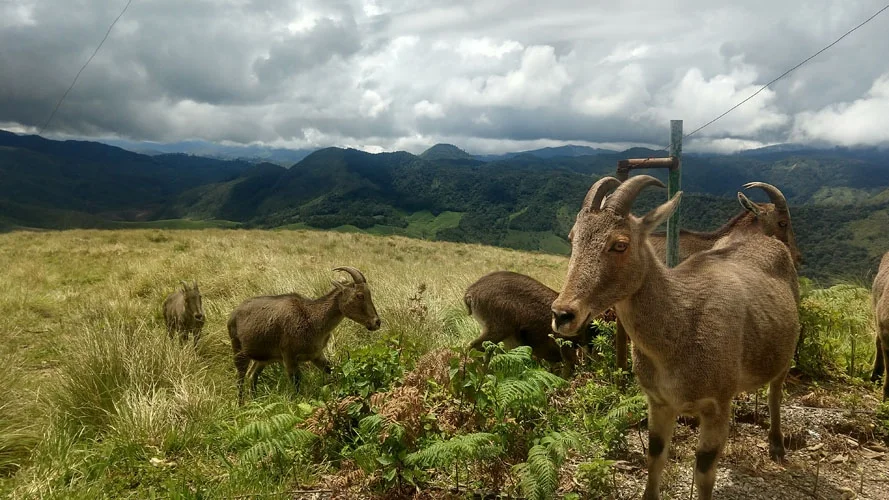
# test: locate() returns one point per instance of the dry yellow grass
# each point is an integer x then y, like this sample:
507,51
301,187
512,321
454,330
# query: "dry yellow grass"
72,300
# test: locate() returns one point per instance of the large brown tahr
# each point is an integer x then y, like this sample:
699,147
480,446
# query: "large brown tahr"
880,298
723,321
292,328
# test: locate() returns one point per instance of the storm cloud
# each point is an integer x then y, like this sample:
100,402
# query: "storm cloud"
489,76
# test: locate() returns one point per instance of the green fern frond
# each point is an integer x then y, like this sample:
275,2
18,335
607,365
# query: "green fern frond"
634,405
539,476
371,425
476,446
511,363
527,391
259,452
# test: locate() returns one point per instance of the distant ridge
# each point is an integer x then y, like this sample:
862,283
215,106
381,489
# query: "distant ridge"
567,151
445,152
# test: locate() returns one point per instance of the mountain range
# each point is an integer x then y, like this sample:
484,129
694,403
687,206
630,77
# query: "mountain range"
527,200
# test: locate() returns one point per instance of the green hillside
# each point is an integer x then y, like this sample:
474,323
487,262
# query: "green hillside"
524,201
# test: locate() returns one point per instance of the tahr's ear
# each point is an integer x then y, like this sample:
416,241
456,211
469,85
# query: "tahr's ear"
748,204
659,215
338,284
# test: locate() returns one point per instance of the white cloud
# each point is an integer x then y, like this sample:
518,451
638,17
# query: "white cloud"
696,100
538,81
725,145
486,47
627,52
17,14
372,104
622,92
862,121
428,109
405,73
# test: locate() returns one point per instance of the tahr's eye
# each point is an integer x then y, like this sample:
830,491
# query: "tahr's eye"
782,223
359,295
619,246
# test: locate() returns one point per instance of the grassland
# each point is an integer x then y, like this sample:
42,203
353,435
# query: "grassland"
97,403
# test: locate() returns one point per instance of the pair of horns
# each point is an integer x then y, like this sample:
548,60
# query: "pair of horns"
185,285
775,195
356,275
625,193
623,197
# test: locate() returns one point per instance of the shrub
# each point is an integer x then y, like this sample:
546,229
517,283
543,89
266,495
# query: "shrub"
836,326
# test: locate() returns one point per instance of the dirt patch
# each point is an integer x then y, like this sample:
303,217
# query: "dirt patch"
832,453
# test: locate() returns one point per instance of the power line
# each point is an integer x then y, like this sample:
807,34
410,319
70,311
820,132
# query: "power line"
751,96
127,6
785,74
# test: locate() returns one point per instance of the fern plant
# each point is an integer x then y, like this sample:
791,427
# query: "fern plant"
539,475
271,438
607,413
456,452
511,384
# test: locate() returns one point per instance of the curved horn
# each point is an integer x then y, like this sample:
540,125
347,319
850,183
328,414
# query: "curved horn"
593,198
184,284
622,200
357,277
775,195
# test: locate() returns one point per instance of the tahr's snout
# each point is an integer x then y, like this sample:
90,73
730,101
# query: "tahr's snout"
562,317
199,316
566,317
374,325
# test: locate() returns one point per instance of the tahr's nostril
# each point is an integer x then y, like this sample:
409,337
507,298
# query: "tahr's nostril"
563,317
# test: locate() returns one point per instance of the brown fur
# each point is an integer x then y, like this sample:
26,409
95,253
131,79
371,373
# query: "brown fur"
763,217
292,328
880,305
515,309
723,321
771,222
184,313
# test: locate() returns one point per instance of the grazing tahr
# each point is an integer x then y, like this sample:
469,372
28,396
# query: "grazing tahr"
292,328
772,219
515,309
723,321
184,313
880,298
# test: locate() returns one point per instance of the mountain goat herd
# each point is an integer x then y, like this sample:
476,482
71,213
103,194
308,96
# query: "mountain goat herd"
731,305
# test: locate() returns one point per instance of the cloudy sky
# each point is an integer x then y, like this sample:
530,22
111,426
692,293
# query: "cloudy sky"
487,75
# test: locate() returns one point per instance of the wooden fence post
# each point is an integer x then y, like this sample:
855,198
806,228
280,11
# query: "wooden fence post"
674,184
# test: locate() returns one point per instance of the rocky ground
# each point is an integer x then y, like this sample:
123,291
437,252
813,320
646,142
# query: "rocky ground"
833,452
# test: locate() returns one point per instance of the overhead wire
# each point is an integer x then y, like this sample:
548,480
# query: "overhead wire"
782,75
58,104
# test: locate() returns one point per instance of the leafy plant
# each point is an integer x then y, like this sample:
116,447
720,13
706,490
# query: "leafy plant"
272,439
371,368
539,476
511,384
456,452
836,331
597,476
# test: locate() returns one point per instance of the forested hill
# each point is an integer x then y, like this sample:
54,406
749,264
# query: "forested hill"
839,198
